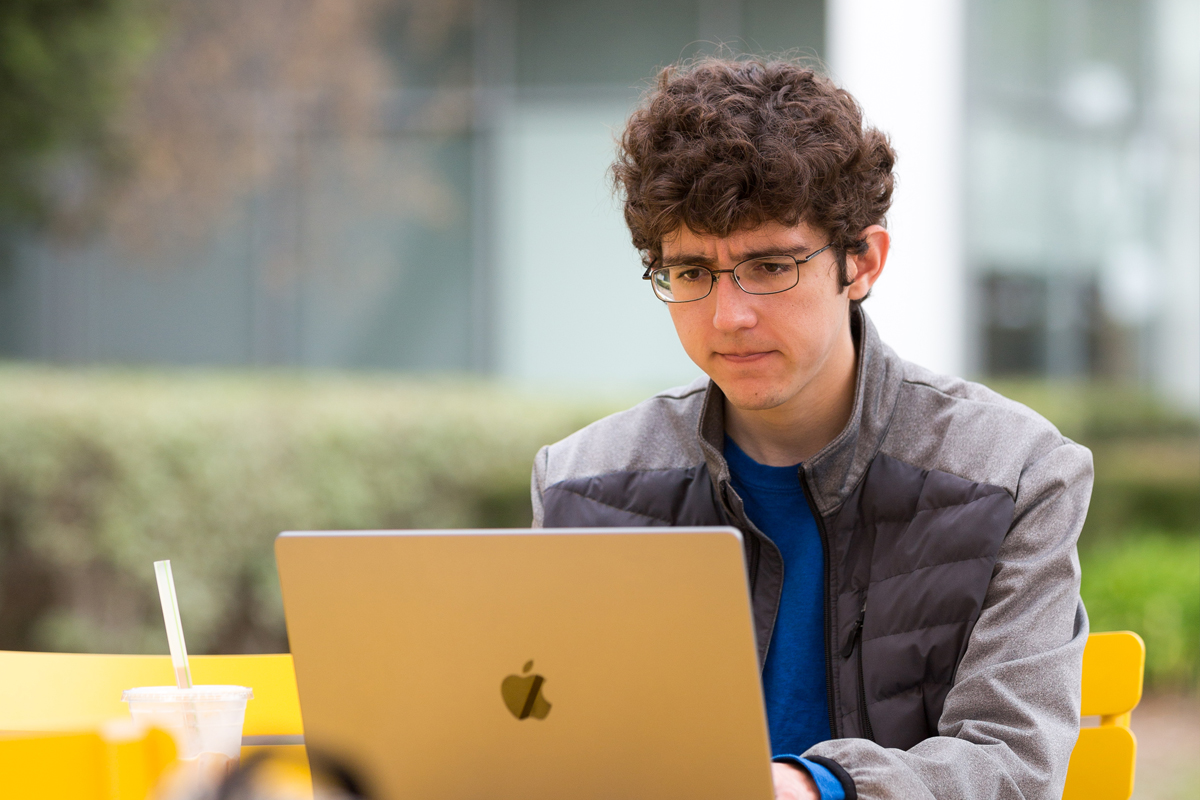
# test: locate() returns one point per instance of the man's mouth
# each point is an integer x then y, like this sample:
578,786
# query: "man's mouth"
746,357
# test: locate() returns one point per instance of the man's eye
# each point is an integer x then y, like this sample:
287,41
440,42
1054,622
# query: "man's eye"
772,268
688,274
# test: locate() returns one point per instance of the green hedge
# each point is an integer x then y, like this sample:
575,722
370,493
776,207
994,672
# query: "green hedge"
1147,455
1150,583
102,472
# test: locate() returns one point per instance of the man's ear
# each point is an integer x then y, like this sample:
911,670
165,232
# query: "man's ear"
863,270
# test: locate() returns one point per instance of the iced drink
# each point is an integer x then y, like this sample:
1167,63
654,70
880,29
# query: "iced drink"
205,720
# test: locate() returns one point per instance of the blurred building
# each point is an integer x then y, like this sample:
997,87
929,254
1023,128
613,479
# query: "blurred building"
1047,217
1083,189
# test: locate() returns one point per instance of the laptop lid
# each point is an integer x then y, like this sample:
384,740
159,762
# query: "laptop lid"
590,663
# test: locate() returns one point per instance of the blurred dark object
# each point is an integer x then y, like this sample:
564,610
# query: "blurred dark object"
259,776
1040,324
1056,325
64,66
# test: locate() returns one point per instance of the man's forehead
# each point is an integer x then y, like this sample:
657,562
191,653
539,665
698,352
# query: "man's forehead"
765,239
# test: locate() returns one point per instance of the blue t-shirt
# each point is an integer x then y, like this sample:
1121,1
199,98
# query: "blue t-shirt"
794,675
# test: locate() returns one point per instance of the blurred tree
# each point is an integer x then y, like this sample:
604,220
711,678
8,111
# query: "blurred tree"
240,98
63,65
152,118
228,102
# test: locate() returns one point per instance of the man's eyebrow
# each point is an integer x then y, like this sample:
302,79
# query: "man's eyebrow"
701,260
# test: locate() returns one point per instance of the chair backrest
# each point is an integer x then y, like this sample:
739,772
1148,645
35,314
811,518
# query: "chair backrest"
108,765
1102,764
76,691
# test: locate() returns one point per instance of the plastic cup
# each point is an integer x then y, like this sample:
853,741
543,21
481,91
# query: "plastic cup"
203,719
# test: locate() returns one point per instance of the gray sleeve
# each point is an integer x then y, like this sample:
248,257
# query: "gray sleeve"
537,484
1011,720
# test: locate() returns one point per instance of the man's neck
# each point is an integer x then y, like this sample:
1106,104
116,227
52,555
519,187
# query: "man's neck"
800,428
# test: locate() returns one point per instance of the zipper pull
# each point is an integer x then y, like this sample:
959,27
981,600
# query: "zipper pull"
855,630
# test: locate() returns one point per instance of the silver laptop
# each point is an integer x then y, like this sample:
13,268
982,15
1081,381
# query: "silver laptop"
584,663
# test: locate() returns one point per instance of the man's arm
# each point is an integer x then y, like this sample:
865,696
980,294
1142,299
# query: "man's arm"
1010,721
537,483
793,783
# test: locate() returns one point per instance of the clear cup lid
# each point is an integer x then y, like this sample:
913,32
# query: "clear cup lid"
173,694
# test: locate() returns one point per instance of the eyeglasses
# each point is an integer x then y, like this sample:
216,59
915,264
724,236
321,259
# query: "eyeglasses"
686,283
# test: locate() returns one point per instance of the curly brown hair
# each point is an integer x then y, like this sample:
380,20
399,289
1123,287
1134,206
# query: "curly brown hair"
720,145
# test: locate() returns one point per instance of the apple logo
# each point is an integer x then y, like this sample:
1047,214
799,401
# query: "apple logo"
523,694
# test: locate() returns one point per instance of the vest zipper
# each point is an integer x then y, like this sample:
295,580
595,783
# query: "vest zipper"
830,640
864,719
754,546
755,555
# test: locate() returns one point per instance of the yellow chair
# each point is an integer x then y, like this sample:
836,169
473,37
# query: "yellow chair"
114,764
76,691
82,691
63,691
1102,763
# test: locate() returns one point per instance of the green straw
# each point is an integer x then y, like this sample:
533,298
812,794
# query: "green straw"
170,607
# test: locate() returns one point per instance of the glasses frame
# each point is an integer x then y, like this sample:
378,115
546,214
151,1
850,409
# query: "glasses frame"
648,275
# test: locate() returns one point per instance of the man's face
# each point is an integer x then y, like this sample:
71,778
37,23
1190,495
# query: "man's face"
763,350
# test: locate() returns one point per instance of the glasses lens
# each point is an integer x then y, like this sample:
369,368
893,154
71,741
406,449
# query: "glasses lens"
681,284
767,275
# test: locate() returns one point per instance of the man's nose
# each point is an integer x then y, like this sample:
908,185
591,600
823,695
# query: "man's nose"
732,309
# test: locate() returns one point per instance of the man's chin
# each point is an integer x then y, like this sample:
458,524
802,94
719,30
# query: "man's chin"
751,397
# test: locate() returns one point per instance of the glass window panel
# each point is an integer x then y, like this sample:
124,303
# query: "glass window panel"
776,26
619,42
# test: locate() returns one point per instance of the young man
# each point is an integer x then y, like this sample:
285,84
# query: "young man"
910,537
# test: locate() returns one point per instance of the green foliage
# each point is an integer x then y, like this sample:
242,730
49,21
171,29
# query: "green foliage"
1096,412
1150,583
63,65
103,473
1147,455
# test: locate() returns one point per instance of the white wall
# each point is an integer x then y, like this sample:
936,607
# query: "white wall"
1177,109
903,61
